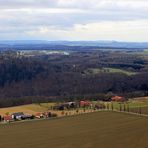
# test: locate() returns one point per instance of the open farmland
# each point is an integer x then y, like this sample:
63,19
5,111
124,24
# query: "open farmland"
146,51
29,109
32,109
109,70
137,105
101,129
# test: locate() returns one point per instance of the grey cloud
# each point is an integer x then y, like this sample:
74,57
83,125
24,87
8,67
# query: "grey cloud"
13,4
81,4
65,20
14,20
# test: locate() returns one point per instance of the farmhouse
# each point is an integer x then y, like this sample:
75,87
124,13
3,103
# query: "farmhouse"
118,98
17,116
67,105
85,103
21,116
8,118
39,115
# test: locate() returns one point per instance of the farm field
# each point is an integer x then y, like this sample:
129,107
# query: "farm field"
146,51
100,129
134,105
35,108
29,109
109,70
144,110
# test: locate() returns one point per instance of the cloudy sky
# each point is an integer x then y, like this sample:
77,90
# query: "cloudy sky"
123,20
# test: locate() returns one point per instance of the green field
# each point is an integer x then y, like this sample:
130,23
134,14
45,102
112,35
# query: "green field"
108,70
146,51
29,109
133,104
94,130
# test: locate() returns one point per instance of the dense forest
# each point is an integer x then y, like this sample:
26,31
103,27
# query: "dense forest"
92,74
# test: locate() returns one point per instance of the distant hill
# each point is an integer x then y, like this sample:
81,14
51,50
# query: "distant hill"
59,45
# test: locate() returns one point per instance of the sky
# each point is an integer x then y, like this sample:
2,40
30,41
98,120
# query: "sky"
120,20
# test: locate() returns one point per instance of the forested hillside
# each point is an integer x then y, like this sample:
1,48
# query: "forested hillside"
90,74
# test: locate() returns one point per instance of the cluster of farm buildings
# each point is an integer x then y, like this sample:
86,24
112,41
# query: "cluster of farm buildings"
18,116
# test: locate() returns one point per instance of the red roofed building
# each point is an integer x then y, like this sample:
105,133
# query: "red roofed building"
85,103
39,115
8,118
118,98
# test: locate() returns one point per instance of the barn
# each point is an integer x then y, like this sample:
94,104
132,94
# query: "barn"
8,118
118,99
85,103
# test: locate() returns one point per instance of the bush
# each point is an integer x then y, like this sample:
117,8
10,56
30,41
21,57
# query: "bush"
54,115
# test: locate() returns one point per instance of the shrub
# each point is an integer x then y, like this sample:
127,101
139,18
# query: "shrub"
54,115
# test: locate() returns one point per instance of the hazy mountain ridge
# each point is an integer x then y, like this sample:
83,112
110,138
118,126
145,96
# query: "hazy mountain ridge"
39,44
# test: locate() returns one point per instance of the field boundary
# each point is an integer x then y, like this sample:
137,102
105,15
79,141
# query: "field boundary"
132,113
74,115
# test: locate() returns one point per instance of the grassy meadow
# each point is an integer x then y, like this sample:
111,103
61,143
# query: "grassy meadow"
109,70
146,51
100,129
134,105
29,109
